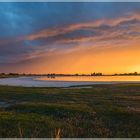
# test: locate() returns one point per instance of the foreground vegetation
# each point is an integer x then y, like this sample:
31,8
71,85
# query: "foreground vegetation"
100,111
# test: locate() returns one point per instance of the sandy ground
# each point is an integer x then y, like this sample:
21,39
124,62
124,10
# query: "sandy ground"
32,82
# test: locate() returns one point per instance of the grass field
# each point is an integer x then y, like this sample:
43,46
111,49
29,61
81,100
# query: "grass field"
100,111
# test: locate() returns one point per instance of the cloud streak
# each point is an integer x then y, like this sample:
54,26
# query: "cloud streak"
45,33
100,33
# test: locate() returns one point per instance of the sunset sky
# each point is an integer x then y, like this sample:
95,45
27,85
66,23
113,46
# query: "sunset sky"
69,37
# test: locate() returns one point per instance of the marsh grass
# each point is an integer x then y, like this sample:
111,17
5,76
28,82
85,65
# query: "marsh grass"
100,111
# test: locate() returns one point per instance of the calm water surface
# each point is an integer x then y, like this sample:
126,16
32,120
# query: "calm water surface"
90,78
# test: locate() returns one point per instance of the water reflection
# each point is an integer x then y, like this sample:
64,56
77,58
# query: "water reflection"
90,78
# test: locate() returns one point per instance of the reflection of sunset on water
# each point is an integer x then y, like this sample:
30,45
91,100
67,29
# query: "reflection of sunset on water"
91,78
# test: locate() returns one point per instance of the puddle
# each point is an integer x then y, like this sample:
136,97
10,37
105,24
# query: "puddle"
4,104
81,87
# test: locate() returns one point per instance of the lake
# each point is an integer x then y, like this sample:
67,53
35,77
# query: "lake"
67,81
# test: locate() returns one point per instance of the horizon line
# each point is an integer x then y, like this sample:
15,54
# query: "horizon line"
135,72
